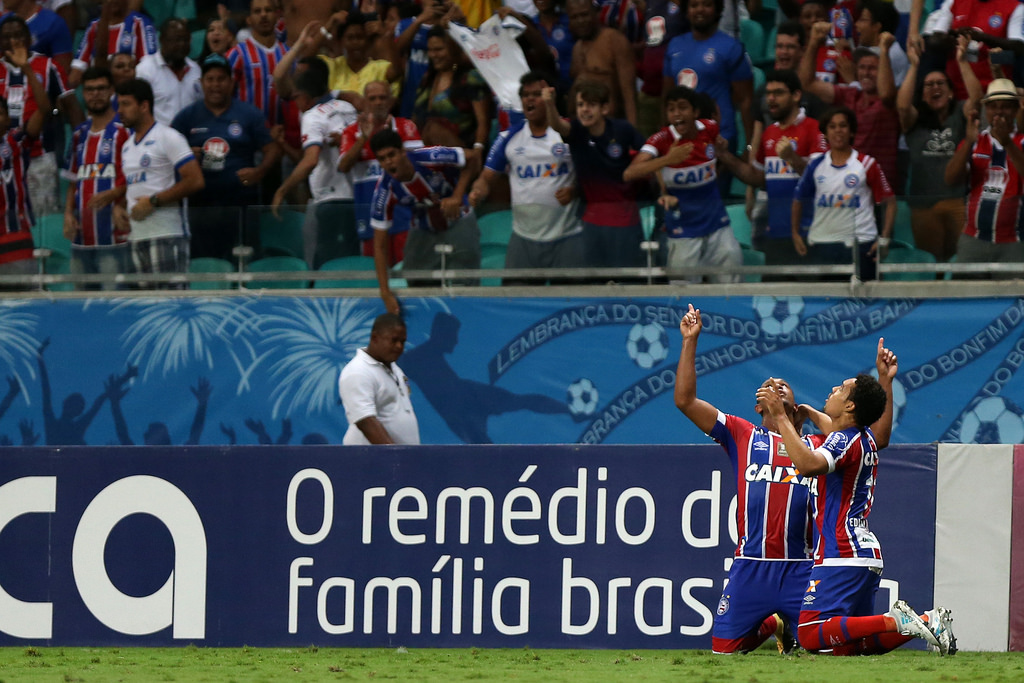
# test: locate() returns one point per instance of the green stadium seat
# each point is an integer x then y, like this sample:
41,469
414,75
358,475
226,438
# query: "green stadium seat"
648,220
752,257
496,227
274,264
197,44
903,230
769,46
347,263
282,237
752,37
48,233
903,252
740,223
492,257
206,264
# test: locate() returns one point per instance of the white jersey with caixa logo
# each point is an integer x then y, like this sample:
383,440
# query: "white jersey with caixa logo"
151,165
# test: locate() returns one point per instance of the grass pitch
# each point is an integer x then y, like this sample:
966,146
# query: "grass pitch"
64,664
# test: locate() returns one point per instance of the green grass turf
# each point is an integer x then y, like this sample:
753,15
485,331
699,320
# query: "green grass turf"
68,664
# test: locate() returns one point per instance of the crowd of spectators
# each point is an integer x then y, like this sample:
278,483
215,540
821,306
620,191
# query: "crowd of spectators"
392,124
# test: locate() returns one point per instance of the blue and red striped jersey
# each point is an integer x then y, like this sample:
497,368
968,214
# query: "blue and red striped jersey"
436,175
994,194
134,36
96,161
15,230
253,65
843,500
773,514
694,182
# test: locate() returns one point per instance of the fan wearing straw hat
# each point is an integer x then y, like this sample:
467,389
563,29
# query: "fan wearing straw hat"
991,161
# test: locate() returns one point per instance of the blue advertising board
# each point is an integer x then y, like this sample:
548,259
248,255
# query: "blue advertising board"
455,546
258,370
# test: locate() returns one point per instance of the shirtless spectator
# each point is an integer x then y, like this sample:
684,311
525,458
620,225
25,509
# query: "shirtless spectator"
603,54
298,13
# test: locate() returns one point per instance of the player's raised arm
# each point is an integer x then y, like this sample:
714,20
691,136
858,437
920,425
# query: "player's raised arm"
701,413
885,363
805,412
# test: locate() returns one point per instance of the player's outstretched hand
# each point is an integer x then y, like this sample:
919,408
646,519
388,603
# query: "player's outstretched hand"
690,326
885,362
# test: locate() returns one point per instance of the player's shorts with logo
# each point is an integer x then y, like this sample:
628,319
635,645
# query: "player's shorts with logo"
756,590
840,591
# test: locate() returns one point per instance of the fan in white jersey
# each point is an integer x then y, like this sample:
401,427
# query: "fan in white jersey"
323,121
845,186
161,173
496,54
546,228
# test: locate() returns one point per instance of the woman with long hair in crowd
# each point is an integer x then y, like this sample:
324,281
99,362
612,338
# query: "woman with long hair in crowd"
934,123
453,102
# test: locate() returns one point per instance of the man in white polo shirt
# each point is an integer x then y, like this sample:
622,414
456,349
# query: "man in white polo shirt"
172,73
161,172
375,391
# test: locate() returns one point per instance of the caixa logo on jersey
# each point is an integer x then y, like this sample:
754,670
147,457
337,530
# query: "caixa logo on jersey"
179,603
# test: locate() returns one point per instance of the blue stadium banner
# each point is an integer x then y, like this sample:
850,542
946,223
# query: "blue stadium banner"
546,546
258,370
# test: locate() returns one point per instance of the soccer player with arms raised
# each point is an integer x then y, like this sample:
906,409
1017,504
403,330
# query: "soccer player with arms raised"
837,614
772,566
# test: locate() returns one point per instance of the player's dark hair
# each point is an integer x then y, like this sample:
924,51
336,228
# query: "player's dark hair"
593,92
863,52
354,19
171,22
869,400
792,27
884,13
531,77
927,117
706,107
851,118
96,72
786,77
385,139
137,88
719,8
386,321
13,18
681,92
312,80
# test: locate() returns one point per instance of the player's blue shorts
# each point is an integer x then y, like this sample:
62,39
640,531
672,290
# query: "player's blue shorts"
756,590
840,592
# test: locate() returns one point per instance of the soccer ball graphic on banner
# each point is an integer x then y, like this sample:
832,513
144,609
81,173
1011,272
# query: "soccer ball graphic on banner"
993,419
778,314
582,397
647,344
